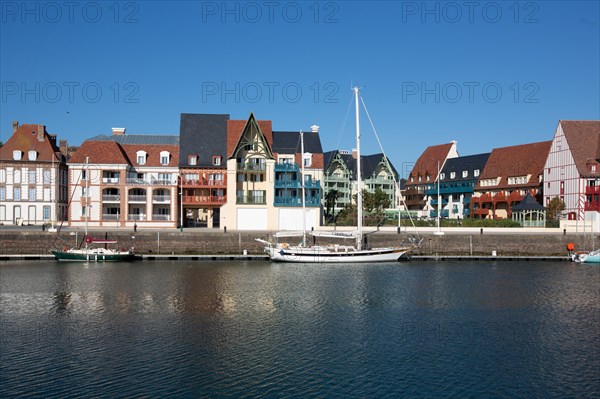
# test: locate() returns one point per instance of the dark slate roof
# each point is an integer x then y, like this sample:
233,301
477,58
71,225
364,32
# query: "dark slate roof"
459,164
138,139
528,204
204,135
289,142
369,163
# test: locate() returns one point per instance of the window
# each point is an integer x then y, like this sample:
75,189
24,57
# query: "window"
31,194
412,179
476,172
46,176
32,155
420,178
593,168
2,212
84,174
141,157
164,157
17,176
164,178
46,212
84,192
465,173
17,193
548,170
17,155
31,176
452,175
2,194
84,211
562,187
442,176
2,176
216,160
192,159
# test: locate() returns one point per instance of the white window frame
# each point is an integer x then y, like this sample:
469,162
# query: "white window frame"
165,157
216,160
32,155
452,175
465,173
140,157
307,159
17,154
476,173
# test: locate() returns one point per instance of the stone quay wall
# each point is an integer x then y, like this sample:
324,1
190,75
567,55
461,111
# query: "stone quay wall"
213,242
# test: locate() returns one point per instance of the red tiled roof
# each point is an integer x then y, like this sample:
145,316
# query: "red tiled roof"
235,128
153,153
427,164
100,152
26,139
583,138
514,161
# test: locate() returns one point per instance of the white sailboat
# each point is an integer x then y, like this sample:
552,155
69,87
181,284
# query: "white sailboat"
334,253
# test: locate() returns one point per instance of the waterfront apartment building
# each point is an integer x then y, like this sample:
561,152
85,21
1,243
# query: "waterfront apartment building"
424,174
510,173
572,169
457,181
264,172
340,176
33,177
125,181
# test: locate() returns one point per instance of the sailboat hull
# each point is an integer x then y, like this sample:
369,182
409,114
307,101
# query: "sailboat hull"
75,255
324,255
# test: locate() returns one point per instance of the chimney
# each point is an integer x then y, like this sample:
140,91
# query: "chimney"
40,132
15,126
354,153
314,129
118,131
64,148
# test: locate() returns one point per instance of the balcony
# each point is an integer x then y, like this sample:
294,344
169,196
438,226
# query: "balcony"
135,180
286,167
481,199
204,199
591,190
500,197
312,184
111,180
111,198
443,214
110,217
281,200
251,167
287,184
450,190
204,183
136,198
515,197
435,202
161,198
481,212
592,206
136,217
161,217
251,200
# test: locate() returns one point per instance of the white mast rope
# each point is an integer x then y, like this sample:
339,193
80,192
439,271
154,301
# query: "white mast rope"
339,136
388,164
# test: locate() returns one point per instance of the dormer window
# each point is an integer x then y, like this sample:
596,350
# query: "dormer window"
141,157
165,156
412,179
32,155
442,176
465,173
307,160
216,160
17,155
593,167
452,175
476,172
192,159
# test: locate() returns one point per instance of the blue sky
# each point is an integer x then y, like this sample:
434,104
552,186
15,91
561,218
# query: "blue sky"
487,74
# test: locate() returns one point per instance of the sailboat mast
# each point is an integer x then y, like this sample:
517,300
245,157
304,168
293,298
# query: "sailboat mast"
359,199
303,189
87,197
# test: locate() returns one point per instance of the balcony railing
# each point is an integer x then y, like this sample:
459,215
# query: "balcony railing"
111,197
450,190
251,200
590,190
204,182
110,216
287,184
296,201
156,182
111,180
136,198
312,183
286,167
204,199
136,217
592,206
161,217
253,167
481,211
482,198
161,198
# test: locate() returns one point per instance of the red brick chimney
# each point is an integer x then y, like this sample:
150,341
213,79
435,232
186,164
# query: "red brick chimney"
40,132
15,126
118,131
354,153
64,148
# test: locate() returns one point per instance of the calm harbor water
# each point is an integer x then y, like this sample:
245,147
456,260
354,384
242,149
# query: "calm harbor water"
255,329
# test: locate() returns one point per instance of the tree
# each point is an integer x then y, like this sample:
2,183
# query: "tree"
330,200
554,209
376,201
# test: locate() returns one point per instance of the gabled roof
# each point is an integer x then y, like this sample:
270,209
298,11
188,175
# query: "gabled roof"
235,128
27,138
368,165
514,161
100,152
204,135
289,142
583,138
138,139
427,164
470,163
528,204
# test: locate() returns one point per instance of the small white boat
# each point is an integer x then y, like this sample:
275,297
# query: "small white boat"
587,257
